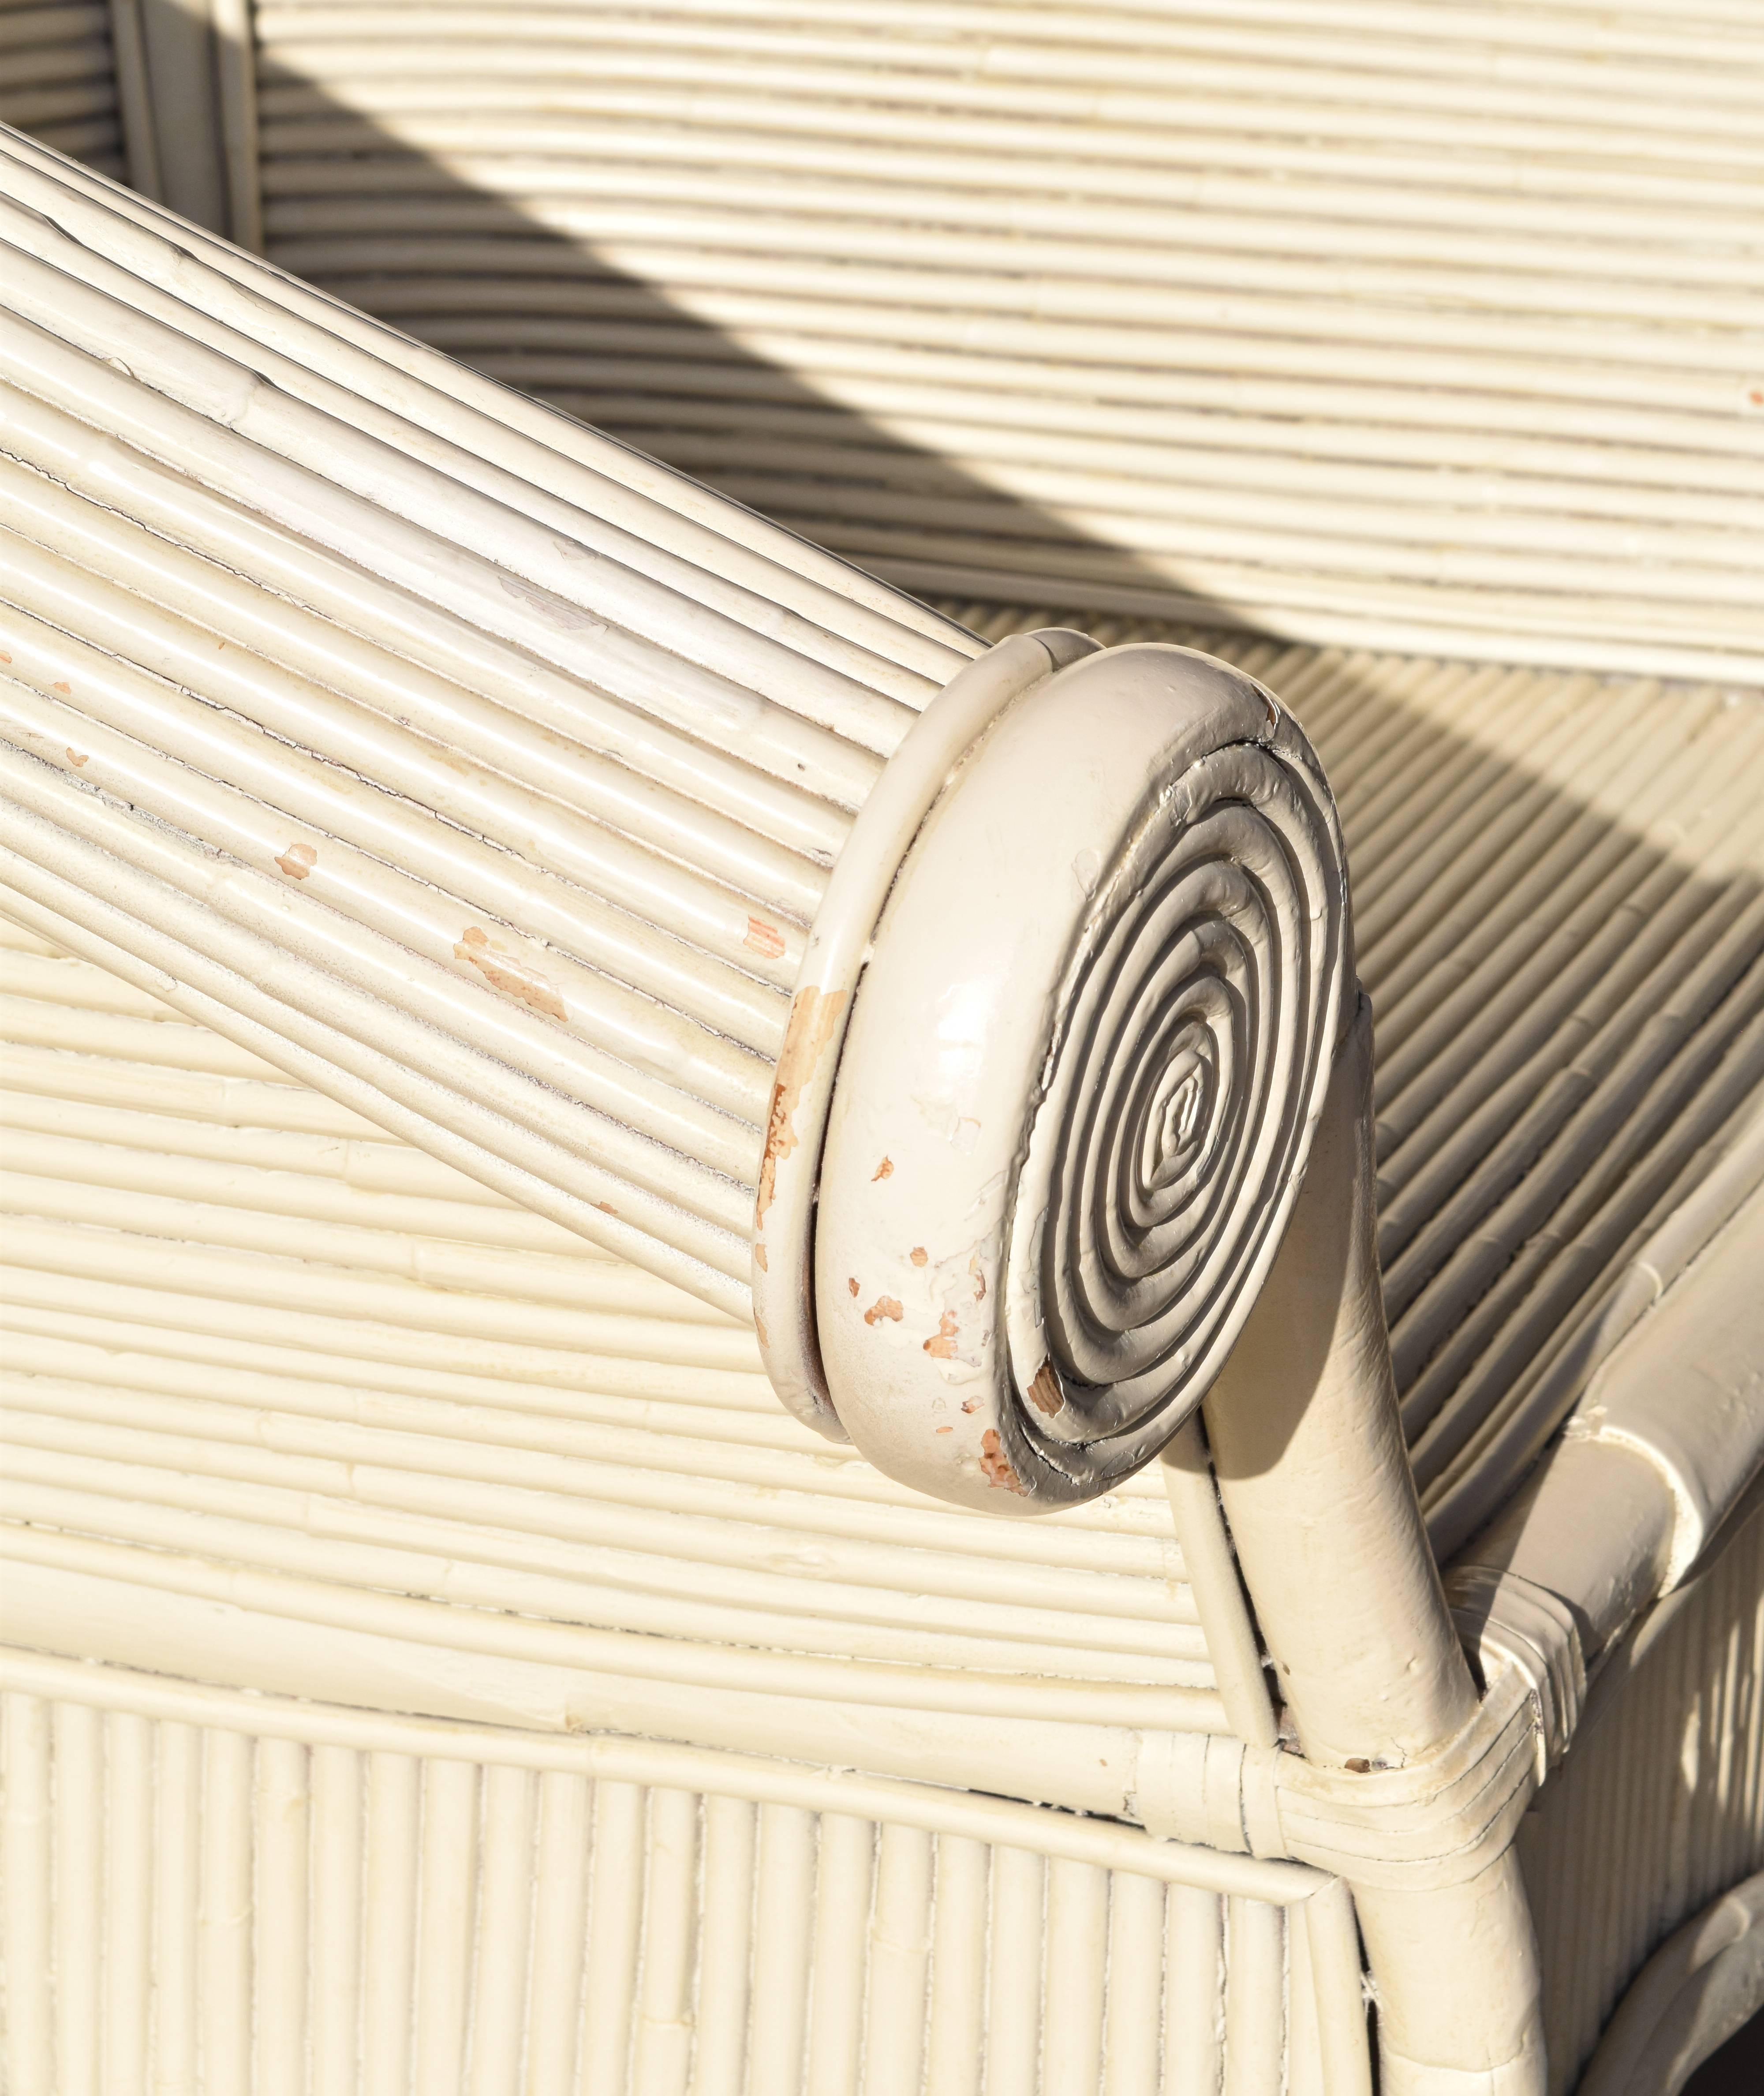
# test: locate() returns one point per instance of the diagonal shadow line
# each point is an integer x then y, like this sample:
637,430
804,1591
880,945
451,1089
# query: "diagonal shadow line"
353,208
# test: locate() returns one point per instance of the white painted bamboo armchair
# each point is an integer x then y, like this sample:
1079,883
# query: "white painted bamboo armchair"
516,964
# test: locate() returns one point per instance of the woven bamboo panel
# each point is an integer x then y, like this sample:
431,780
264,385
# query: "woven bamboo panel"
247,1330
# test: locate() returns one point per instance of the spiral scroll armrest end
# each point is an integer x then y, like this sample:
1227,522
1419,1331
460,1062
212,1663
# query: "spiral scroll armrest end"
1070,1100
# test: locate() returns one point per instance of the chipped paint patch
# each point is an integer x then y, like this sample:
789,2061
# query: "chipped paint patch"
996,1464
918,1254
764,938
884,1170
814,1021
942,1345
851,1284
298,861
508,973
884,1306
759,1258
76,758
1045,1392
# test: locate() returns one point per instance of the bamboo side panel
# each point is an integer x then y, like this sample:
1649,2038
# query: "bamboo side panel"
1661,1805
231,1913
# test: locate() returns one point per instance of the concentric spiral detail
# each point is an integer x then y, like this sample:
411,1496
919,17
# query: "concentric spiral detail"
1093,1038
1196,1030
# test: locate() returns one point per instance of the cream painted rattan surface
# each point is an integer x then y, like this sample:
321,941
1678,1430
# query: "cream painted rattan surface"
532,756
1612,1862
1396,341
269,1302
293,1405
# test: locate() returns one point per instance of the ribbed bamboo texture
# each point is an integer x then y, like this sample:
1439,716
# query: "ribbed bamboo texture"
1660,1807
245,1330
1036,304
247,1324
58,78
225,1910
1413,325
444,751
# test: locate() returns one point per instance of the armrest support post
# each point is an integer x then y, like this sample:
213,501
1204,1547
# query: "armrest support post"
1316,1485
